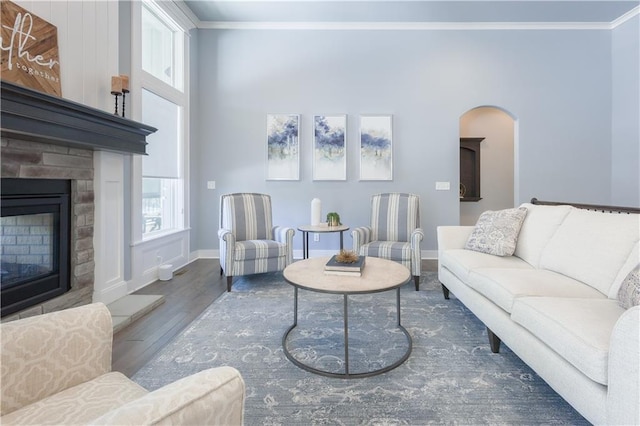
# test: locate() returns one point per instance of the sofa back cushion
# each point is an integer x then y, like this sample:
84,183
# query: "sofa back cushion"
592,247
632,262
538,227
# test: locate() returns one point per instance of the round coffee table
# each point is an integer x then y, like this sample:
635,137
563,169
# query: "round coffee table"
378,275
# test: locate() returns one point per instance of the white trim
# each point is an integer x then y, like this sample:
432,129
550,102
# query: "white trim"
624,18
147,257
112,293
410,26
186,16
204,254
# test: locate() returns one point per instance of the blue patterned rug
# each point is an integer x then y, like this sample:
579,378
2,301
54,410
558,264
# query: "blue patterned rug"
451,376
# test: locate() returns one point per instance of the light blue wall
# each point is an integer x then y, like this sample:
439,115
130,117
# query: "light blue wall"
625,182
556,83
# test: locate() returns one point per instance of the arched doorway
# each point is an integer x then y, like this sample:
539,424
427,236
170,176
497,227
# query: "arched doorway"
497,164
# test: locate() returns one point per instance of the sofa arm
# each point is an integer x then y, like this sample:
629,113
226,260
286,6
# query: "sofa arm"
227,245
210,397
623,391
283,234
361,236
49,353
416,253
453,237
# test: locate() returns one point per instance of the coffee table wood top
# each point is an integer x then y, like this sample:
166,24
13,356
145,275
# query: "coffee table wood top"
377,275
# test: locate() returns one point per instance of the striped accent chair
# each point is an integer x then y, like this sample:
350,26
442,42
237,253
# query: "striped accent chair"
395,232
249,243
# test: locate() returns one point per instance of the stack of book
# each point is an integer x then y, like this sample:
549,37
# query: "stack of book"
333,267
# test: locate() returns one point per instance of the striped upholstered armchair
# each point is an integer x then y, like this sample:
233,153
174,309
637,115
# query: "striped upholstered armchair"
395,232
249,243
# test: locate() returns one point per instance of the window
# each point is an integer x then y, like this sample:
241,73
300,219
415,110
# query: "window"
161,46
163,103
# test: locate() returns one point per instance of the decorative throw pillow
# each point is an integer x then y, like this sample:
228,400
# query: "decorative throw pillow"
496,232
629,293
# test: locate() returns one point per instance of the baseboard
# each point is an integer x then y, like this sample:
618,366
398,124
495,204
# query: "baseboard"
111,293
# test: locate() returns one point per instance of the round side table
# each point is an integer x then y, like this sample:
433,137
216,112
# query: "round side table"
319,229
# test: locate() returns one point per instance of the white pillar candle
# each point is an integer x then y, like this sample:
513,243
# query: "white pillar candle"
316,209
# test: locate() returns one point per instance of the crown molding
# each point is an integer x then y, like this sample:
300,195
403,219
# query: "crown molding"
180,12
409,26
624,18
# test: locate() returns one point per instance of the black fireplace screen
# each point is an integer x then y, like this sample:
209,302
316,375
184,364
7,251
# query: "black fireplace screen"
34,227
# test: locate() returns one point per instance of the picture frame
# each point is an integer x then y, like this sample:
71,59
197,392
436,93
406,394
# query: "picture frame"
376,147
330,147
283,146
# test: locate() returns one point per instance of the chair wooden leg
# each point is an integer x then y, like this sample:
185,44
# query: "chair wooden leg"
445,291
494,341
416,280
229,280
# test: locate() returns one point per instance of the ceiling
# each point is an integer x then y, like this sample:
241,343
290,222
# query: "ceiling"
411,11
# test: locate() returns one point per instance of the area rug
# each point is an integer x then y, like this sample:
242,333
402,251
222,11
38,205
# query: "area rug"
451,376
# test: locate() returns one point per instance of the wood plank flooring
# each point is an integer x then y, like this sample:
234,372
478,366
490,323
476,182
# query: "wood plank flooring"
191,290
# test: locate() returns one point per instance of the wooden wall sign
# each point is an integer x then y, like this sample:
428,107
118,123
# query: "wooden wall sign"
29,50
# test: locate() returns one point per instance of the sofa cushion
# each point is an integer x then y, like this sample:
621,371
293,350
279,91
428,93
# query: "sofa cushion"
461,262
391,250
496,232
79,404
259,249
629,293
537,229
592,246
503,286
632,262
579,330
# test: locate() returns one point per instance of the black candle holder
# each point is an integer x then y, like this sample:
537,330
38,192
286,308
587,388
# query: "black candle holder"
116,94
124,92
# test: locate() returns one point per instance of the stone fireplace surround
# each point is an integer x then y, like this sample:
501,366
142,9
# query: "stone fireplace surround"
27,159
52,138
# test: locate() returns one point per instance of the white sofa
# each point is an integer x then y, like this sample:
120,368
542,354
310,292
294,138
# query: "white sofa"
554,303
56,370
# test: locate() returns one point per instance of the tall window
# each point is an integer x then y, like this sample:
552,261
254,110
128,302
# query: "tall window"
163,106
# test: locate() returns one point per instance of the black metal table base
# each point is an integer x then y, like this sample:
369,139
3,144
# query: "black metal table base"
305,242
347,374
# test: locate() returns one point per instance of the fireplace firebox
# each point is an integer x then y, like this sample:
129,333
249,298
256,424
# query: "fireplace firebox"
35,232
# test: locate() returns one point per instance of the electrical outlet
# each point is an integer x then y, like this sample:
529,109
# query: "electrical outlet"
316,237
211,184
443,186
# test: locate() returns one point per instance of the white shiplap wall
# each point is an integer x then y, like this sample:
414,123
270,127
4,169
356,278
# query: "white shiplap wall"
88,48
87,44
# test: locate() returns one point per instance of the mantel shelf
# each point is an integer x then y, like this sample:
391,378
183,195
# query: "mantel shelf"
35,116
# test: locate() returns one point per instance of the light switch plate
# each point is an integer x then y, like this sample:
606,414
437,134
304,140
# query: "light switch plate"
211,184
443,186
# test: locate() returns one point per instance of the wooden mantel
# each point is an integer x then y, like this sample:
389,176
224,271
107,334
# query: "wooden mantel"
31,115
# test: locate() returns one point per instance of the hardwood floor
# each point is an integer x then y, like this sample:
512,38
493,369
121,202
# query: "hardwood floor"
191,290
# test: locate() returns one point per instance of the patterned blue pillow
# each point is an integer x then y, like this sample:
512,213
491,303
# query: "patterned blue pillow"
496,232
629,293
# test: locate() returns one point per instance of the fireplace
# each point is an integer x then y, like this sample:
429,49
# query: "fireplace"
51,140
35,230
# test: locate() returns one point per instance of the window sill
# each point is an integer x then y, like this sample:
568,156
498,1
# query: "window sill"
160,235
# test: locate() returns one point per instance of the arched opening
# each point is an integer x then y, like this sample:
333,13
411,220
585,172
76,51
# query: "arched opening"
498,151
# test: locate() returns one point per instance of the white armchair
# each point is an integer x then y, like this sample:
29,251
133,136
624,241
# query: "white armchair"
249,243
394,232
56,369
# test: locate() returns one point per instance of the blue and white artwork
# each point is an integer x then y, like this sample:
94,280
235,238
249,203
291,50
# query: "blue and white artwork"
329,147
283,147
376,160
